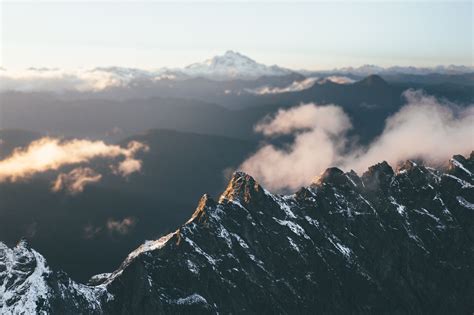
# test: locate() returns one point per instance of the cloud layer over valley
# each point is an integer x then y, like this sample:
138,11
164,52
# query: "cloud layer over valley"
425,128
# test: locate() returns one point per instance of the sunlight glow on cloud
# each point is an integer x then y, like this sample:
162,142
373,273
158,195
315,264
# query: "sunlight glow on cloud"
48,154
75,181
55,80
293,87
340,79
121,226
425,128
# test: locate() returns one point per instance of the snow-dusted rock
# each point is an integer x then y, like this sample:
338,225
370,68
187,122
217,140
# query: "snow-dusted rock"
383,242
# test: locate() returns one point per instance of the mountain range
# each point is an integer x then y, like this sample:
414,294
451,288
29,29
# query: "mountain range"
203,106
366,70
390,240
231,66
398,241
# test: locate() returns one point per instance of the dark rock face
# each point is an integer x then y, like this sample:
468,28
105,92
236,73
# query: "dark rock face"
386,242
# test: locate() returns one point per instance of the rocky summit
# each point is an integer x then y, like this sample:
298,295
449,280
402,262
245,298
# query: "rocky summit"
389,241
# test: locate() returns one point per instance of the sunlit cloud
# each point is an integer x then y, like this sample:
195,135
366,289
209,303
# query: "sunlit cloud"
48,154
122,227
319,137
425,128
75,181
82,80
339,79
128,167
293,87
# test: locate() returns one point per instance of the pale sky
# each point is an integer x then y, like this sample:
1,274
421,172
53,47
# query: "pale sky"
316,35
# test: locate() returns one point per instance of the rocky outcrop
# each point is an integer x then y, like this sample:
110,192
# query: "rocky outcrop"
386,242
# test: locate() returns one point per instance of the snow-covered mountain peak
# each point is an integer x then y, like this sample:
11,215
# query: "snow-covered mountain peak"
233,65
22,279
228,59
29,286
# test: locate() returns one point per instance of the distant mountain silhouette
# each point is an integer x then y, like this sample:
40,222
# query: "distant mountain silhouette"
373,81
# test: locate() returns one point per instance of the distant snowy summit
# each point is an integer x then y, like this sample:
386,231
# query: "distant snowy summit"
229,66
233,65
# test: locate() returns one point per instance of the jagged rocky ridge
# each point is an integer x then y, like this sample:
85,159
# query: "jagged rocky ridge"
398,242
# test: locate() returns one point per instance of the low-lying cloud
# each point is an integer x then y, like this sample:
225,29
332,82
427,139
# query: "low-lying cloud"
82,80
50,154
130,164
75,181
111,227
425,128
122,227
54,80
339,79
297,86
319,138
293,87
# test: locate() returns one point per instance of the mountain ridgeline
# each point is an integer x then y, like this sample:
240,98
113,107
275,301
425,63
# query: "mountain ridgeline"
201,105
387,241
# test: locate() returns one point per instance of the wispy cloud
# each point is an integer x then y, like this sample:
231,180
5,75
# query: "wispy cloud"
48,154
111,227
293,87
339,79
122,227
75,181
56,80
426,128
130,164
90,231
297,86
59,80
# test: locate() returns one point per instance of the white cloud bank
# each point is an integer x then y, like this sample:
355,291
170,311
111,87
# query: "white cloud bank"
297,86
293,87
339,79
425,128
54,80
82,80
50,154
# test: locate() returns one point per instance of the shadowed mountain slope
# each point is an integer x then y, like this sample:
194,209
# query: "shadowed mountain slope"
387,241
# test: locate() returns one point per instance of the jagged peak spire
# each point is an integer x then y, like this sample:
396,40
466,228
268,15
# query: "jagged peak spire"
408,165
336,176
241,187
205,203
378,175
331,174
380,168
